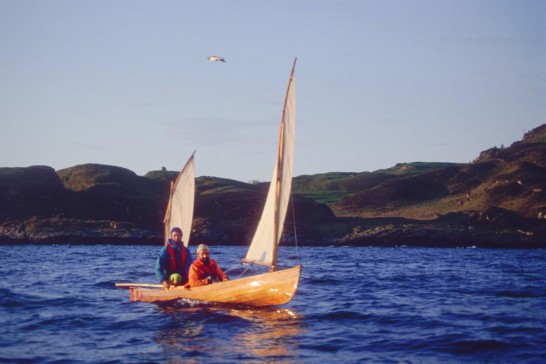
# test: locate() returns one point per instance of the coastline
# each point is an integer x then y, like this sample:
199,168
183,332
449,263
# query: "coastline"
371,232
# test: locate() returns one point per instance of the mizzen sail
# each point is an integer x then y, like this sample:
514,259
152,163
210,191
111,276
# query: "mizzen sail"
180,208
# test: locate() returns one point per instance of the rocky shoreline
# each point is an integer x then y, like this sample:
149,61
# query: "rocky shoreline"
387,232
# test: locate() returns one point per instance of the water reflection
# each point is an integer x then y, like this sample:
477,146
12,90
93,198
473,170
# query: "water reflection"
273,333
210,331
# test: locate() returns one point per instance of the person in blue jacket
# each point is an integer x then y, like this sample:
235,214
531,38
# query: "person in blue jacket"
174,261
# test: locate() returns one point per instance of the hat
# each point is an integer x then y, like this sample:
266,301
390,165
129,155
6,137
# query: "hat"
177,229
202,247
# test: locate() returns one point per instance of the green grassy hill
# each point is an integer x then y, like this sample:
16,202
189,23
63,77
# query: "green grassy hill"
512,178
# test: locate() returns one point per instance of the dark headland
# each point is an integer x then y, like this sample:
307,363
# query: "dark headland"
497,201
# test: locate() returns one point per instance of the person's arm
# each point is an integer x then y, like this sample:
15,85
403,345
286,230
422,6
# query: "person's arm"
221,275
160,271
195,279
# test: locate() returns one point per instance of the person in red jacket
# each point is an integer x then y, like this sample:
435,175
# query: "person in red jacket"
204,270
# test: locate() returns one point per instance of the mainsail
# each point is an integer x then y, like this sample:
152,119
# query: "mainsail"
180,207
263,249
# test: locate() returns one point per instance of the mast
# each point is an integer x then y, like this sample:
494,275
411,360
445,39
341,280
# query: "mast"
167,219
280,169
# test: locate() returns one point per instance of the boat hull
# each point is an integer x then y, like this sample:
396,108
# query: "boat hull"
268,289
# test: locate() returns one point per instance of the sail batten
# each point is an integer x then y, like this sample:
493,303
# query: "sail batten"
180,208
263,247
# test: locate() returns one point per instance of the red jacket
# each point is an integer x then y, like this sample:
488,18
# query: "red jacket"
199,272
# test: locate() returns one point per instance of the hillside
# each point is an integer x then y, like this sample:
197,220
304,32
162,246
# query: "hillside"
512,178
498,200
95,203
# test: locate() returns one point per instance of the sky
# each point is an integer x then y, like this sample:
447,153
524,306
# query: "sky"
378,82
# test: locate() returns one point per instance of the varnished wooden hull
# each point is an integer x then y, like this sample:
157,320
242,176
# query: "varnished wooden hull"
268,289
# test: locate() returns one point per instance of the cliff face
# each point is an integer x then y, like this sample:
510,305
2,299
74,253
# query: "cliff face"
95,203
86,203
511,178
26,192
497,200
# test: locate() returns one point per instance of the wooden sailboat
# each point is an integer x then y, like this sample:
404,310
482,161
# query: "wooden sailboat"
275,287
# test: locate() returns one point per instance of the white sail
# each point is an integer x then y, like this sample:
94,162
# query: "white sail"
263,249
180,208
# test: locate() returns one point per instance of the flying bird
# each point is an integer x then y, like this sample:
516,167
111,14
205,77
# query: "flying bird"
216,59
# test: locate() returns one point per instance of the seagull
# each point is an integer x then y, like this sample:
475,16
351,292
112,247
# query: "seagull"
216,59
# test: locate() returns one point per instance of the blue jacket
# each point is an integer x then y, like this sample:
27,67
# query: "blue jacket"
163,266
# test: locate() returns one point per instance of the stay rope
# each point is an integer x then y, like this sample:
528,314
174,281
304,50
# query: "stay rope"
295,231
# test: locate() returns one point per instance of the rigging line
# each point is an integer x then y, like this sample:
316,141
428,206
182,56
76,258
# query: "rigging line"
238,265
243,272
295,232
233,267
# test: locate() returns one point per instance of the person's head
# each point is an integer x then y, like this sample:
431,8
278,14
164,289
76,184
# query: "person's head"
203,253
176,234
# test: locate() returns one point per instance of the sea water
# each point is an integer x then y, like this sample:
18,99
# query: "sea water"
58,304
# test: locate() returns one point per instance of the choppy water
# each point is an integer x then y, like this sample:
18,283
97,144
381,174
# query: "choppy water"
58,304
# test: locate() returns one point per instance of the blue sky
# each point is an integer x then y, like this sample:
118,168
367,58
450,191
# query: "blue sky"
127,82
